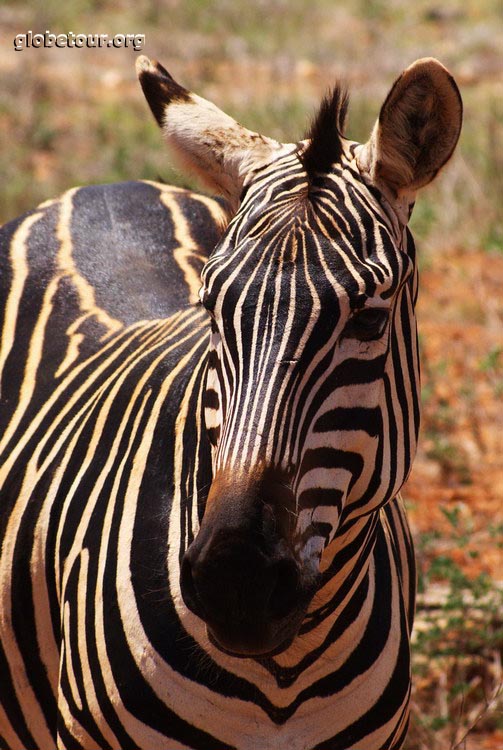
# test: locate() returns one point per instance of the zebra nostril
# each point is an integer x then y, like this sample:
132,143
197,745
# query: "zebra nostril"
188,587
285,591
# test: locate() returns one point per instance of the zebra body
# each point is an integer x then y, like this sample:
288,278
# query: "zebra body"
202,541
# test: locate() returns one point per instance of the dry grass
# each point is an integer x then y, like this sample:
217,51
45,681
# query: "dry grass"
77,116
269,73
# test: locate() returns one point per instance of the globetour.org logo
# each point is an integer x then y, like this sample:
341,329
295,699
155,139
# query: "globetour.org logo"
70,39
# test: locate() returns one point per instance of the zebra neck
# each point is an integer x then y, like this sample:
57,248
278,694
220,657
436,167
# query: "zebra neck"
340,613
344,565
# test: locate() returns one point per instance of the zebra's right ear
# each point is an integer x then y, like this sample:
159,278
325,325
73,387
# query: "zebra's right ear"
204,139
417,130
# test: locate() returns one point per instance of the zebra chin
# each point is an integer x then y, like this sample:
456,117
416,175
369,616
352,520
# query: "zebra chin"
246,633
241,575
250,650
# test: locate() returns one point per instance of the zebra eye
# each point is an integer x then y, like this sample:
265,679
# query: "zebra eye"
367,324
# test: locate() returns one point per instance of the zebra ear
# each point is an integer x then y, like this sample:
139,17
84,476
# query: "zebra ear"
206,140
417,130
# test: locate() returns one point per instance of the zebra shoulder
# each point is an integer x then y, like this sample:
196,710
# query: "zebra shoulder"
137,247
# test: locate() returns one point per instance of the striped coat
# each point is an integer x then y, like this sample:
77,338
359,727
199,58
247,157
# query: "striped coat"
176,573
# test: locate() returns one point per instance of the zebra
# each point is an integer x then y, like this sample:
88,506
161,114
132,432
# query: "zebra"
208,409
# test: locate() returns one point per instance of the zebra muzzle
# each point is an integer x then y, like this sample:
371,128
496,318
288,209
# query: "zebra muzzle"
241,577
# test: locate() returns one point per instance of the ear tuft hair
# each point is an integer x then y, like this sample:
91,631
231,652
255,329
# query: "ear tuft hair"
159,87
326,132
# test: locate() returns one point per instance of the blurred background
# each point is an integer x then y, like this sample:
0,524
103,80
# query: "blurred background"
77,116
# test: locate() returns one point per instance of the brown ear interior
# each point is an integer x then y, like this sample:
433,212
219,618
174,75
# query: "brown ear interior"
418,127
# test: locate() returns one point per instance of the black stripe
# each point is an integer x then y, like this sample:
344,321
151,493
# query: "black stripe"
351,418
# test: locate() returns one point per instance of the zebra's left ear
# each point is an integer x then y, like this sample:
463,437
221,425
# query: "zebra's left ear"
211,144
417,130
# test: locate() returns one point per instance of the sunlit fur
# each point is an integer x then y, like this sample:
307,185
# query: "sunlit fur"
105,457
128,411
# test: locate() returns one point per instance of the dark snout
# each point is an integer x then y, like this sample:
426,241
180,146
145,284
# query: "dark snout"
242,592
241,577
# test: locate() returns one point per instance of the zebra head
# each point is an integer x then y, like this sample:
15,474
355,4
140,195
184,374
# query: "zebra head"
312,392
